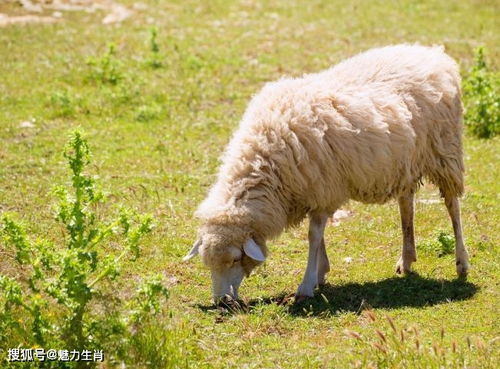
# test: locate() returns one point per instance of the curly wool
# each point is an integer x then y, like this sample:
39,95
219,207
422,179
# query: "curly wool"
368,129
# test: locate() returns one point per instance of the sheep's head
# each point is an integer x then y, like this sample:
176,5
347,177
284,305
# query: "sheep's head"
230,253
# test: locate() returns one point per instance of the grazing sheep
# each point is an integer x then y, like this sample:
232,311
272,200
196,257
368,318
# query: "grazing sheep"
368,129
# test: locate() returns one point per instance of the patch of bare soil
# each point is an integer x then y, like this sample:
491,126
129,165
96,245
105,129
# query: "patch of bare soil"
50,11
6,20
339,215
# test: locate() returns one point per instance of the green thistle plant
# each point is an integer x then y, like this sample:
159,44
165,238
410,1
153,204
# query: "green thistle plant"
65,280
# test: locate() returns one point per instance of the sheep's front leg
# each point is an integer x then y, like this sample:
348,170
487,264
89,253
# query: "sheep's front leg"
323,262
461,255
317,225
408,252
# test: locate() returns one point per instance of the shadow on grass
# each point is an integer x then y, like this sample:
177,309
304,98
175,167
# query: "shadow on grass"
391,293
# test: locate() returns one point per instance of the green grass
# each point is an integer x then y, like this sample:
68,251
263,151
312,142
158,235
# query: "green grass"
156,132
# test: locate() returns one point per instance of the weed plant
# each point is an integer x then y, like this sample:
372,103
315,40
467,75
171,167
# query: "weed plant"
390,346
482,98
155,57
107,68
61,288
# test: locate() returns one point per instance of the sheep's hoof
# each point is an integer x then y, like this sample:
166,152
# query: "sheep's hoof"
305,291
462,269
301,298
402,268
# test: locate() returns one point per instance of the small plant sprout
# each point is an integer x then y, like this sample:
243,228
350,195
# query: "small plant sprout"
155,57
443,244
62,104
106,69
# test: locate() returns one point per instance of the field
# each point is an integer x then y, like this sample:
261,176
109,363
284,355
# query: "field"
157,109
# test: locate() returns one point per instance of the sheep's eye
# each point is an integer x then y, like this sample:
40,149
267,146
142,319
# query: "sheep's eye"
236,260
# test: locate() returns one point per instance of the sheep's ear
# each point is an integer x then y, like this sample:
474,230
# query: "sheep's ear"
253,250
195,250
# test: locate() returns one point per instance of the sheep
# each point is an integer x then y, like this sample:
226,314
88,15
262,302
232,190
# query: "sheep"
369,129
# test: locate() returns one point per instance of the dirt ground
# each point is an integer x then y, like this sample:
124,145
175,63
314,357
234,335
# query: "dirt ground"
50,11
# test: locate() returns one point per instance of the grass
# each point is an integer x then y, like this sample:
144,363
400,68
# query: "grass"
156,133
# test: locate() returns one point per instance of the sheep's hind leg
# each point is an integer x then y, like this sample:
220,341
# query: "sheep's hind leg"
408,252
461,255
317,225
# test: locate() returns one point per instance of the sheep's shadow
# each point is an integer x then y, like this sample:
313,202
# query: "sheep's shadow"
391,293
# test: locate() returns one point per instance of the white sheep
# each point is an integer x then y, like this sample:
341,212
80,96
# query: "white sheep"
368,129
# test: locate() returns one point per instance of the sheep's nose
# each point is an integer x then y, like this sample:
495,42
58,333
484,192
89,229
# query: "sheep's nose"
229,303
227,299
224,300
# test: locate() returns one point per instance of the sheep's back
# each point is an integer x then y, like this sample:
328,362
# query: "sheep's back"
368,129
